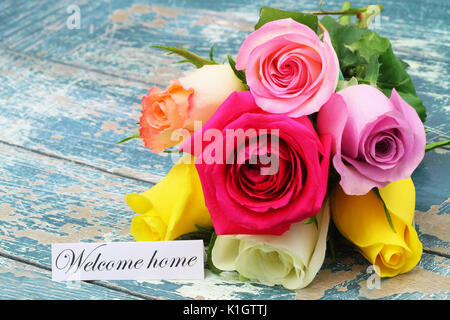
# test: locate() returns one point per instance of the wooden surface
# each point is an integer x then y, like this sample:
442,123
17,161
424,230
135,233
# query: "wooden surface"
67,95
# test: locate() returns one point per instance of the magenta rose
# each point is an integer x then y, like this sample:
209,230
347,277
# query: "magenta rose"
289,70
376,140
260,172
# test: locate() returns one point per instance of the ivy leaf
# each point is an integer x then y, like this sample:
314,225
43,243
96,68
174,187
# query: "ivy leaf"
369,47
372,70
187,55
369,58
386,71
369,44
341,37
268,14
393,74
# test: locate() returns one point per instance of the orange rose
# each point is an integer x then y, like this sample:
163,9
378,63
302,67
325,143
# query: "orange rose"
168,115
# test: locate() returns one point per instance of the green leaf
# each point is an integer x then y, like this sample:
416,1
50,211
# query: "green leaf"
413,100
136,135
172,151
196,235
369,47
342,84
405,64
203,229
372,70
369,58
311,220
211,265
369,44
211,52
268,14
341,37
240,74
435,145
386,211
187,55
393,74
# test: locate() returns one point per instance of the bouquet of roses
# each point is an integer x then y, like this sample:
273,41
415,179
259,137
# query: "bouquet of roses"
314,122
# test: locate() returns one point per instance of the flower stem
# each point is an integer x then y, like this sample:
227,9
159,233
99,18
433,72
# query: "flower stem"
345,11
435,145
353,11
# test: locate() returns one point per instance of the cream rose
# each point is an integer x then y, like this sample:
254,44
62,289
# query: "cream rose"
291,260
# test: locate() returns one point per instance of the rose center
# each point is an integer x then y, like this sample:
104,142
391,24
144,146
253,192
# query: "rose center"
158,116
383,147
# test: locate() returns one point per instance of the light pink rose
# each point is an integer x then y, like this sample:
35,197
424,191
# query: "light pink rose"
288,68
376,140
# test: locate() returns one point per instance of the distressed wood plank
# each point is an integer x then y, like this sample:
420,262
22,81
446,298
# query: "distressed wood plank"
20,281
45,200
71,94
80,118
115,35
111,103
72,113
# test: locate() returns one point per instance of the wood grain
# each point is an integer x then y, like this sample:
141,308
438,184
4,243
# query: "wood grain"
21,281
66,97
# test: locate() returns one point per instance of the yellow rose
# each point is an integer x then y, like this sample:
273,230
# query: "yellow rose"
291,259
172,207
362,220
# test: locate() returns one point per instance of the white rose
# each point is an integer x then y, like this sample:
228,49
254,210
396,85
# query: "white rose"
291,260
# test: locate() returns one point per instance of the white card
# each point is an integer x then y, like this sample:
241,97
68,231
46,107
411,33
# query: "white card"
150,260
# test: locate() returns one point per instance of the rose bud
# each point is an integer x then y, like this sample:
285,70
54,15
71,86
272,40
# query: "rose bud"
362,220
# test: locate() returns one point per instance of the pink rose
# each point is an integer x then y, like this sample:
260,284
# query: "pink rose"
274,175
376,140
168,115
288,69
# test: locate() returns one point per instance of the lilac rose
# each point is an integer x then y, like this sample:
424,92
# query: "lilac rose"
376,140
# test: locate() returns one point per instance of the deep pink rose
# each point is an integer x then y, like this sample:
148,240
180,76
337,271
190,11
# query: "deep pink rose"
288,68
244,192
376,140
